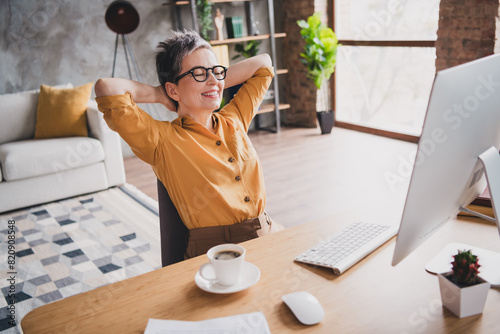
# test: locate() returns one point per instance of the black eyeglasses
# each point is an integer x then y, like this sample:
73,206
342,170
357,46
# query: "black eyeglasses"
200,73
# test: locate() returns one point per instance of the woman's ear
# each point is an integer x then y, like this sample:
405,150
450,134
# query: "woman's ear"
171,90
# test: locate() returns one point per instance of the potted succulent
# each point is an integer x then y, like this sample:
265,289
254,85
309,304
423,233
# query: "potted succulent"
319,57
463,292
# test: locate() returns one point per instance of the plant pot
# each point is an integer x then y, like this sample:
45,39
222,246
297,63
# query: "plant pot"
465,301
326,120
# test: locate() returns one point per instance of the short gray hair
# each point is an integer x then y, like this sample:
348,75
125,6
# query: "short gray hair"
172,52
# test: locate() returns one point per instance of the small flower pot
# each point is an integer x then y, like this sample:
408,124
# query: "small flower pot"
463,301
326,121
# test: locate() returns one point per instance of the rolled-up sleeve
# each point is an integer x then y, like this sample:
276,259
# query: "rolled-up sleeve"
133,124
246,102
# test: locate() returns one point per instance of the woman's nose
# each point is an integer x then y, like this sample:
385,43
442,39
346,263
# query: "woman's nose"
211,76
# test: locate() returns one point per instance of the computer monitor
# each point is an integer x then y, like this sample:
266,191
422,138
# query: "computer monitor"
462,122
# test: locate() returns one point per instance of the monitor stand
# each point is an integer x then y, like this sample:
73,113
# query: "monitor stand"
491,162
490,261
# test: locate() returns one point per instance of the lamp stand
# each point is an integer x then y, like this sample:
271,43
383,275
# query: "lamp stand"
127,49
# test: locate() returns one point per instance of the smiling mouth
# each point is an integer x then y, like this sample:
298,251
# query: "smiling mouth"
214,93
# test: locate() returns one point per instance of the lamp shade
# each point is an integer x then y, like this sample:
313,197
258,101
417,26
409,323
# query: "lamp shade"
121,17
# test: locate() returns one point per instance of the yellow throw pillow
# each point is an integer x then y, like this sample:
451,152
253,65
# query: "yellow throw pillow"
62,112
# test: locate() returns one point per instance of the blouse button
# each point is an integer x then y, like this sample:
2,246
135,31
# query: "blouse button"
231,159
237,178
218,142
247,199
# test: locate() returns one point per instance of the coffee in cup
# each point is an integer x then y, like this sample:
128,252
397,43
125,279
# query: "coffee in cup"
227,255
226,261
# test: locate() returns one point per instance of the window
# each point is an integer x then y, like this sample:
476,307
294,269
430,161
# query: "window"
386,64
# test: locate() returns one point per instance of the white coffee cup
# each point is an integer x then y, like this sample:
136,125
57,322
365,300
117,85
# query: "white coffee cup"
226,261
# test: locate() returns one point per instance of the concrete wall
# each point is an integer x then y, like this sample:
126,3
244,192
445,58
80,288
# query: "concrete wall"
59,41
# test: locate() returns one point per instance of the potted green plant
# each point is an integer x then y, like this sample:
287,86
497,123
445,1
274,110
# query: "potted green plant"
319,57
247,50
463,292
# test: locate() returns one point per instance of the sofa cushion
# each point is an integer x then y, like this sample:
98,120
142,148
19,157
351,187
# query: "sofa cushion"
18,112
37,157
62,112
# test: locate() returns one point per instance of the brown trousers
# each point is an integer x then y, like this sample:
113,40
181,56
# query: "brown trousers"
200,240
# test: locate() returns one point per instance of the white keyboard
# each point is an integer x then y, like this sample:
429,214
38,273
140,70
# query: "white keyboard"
345,248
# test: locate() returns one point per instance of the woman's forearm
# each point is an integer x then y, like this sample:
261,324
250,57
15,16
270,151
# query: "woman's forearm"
140,92
245,69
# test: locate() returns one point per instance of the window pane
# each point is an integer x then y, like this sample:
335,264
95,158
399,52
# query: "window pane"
384,87
386,19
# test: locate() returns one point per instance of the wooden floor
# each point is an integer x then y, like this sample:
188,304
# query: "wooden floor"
310,176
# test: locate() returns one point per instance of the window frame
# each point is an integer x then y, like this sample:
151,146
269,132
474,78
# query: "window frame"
376,43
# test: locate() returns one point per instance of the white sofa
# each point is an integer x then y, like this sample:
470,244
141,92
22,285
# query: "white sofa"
36,171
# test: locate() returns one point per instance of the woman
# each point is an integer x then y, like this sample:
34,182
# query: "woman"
205,160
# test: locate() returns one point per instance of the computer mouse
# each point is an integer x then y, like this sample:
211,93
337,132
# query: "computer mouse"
305,307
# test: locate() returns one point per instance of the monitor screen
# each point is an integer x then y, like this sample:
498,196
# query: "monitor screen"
462,122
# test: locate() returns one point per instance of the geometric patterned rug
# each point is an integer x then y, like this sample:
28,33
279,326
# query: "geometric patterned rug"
60,249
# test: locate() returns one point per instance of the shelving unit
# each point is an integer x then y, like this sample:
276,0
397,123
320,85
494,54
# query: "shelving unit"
186,2
265,108
276,106
246,39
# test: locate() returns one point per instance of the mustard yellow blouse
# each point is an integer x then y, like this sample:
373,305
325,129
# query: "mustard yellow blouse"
213,179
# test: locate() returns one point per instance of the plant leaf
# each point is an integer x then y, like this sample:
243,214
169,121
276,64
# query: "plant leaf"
320,51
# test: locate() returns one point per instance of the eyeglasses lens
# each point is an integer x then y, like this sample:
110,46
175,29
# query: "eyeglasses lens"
200,74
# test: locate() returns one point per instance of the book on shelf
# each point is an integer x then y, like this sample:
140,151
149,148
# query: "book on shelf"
234,27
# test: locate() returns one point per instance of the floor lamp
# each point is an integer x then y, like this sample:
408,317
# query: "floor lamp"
127,49
122,18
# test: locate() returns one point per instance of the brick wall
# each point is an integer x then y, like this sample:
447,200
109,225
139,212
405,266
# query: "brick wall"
467,31
300,91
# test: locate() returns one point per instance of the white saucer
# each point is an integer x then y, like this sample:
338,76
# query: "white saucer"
250,276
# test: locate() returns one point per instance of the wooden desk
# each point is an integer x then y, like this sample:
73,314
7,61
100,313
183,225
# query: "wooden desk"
371,297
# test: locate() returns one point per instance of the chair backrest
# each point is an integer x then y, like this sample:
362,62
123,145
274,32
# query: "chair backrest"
173,232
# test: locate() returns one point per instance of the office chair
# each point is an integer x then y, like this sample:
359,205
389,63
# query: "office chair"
173,232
